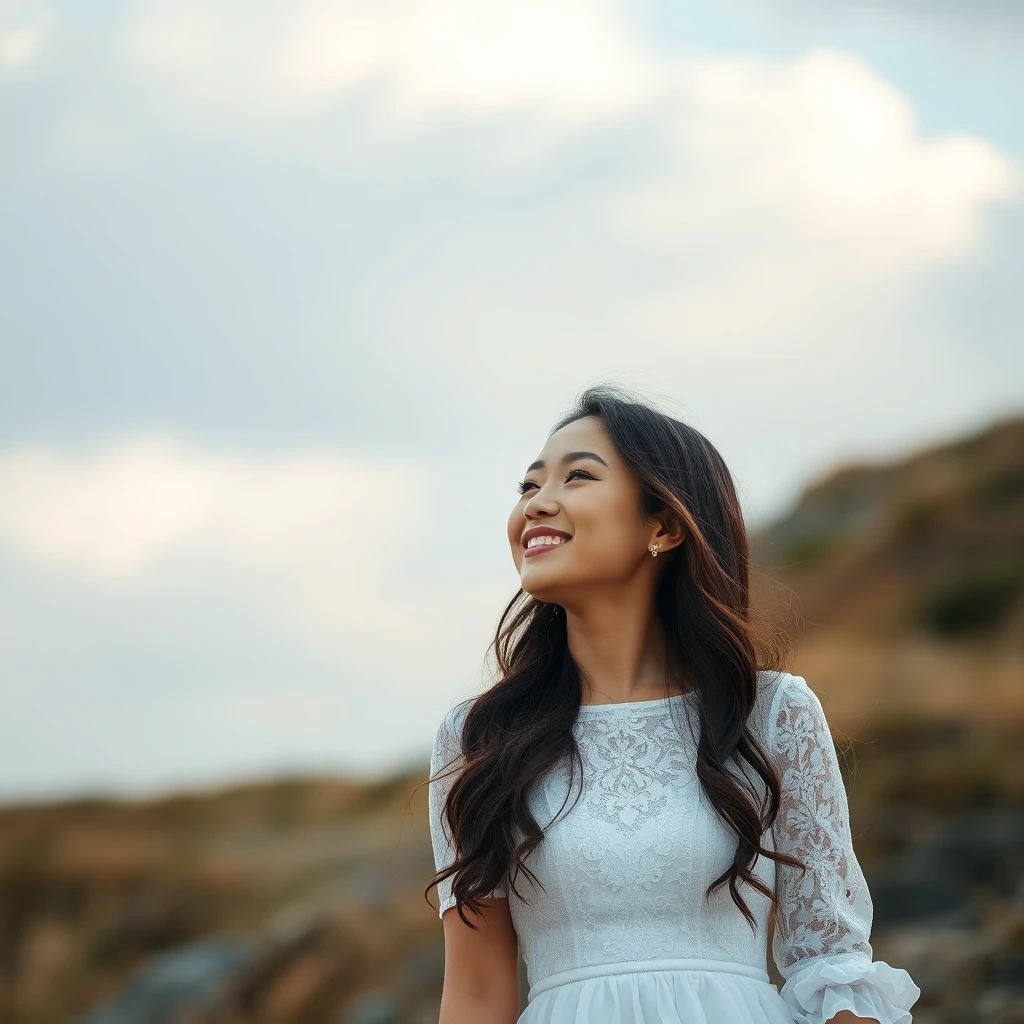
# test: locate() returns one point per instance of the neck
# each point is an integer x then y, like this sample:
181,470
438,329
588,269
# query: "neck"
619,647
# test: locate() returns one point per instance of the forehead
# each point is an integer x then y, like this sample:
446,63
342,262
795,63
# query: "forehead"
587,433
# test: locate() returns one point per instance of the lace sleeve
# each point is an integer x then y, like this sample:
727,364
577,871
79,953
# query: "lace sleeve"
821,944
445,761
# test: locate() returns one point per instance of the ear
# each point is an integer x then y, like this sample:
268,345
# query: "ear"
670,532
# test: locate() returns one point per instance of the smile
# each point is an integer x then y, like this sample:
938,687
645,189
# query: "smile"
545,544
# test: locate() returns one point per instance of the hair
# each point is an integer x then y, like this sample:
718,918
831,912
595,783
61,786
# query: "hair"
522,726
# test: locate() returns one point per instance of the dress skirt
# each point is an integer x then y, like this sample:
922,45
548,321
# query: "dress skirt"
669,991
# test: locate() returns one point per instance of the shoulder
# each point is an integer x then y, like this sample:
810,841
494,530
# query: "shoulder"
455,716
795,721
448,734
770,685
779,695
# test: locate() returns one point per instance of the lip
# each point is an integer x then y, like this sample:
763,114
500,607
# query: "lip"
540,549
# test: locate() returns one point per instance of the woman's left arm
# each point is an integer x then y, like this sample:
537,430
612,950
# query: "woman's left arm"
821,944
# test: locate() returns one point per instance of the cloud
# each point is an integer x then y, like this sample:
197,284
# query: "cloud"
337,553
793,183
323,535
574,63
766,198
23,29
835,151
741,207
118,509
789,162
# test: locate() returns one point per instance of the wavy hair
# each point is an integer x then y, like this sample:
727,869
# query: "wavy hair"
522,725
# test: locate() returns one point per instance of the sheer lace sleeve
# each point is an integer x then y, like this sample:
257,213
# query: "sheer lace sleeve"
446,760
821,944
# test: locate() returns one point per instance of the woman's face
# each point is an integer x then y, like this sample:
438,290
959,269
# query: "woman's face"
594,501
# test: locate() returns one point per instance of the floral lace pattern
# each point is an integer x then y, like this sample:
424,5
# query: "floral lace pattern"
639,792
628,767
828,910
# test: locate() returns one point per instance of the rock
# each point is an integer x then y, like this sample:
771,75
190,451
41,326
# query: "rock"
423,969
189,977
376,1007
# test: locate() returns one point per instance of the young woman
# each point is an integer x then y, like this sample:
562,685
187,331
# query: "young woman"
708,791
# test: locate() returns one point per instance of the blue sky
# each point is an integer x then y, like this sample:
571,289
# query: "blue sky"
287,296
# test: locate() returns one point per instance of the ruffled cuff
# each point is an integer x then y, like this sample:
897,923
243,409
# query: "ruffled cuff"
818,991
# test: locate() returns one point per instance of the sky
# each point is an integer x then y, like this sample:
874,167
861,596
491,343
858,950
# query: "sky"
289,300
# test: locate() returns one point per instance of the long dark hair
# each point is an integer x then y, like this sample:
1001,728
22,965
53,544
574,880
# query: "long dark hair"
522,725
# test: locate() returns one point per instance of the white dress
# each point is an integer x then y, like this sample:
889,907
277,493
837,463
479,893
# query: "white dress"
622,934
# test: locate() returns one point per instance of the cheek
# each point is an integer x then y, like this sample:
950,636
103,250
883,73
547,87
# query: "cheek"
608,539
515,526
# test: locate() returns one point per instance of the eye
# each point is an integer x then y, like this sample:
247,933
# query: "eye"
525,485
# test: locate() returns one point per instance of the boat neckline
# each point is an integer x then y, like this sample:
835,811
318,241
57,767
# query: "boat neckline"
638,704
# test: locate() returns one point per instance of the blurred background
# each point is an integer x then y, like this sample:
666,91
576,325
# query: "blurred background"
290,295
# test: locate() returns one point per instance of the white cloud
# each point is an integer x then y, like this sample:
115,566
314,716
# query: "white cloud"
572,63
324,535
117,510
834,148
788,174
23,29
778,196
796,183
335,547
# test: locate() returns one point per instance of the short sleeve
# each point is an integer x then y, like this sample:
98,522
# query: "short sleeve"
822,937
446,760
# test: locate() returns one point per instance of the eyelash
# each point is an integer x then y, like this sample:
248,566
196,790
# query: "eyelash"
525,485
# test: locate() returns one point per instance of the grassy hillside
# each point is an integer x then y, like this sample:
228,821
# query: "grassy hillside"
930,545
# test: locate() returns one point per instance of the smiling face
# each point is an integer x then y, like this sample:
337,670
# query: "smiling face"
595,500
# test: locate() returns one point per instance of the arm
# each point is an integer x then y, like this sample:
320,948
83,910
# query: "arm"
481,968
481,965
821,944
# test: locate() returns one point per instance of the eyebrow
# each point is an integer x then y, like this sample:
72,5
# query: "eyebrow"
567,458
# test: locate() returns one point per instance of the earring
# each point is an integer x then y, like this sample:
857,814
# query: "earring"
654,550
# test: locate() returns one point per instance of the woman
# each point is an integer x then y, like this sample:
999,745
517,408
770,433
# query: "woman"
708,786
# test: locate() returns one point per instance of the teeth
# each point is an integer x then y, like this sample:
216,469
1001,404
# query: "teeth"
538,541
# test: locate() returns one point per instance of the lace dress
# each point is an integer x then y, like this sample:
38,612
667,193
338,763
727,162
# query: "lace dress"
622,934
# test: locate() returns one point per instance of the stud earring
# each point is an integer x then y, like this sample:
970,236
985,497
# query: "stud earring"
654,550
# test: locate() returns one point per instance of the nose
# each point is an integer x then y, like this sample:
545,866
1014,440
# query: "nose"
538,504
